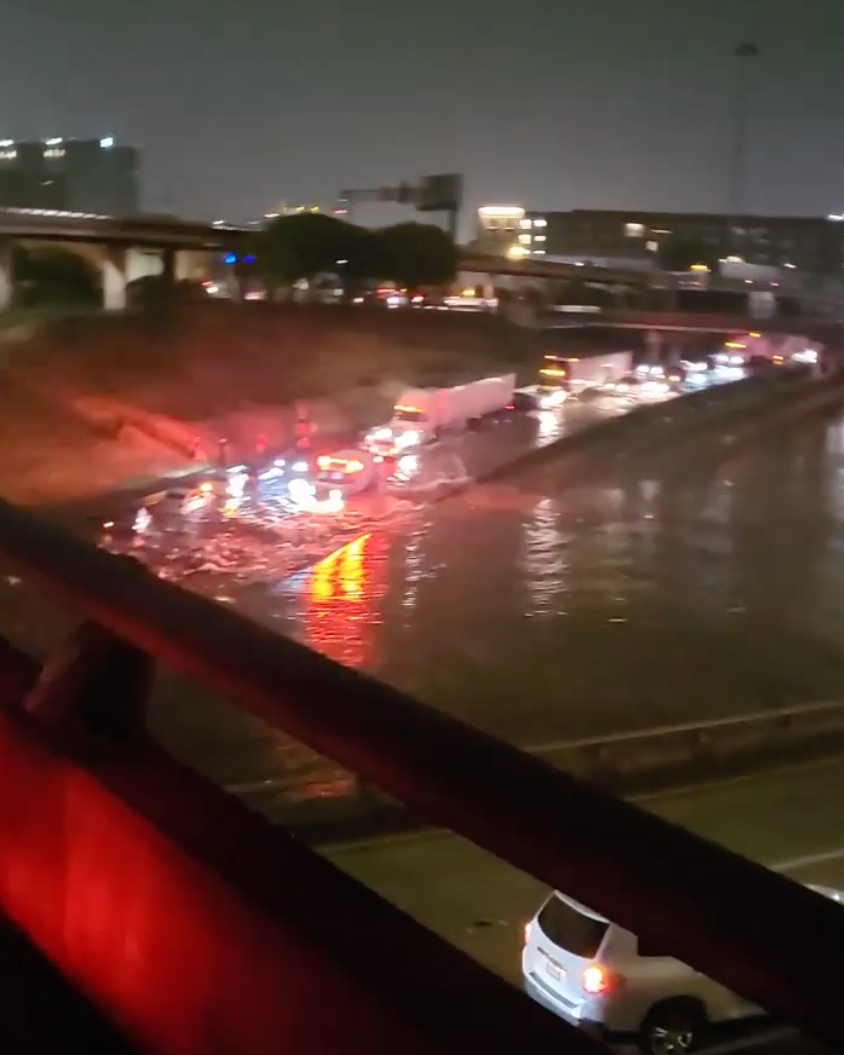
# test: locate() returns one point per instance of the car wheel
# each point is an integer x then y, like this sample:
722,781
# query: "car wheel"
672,1028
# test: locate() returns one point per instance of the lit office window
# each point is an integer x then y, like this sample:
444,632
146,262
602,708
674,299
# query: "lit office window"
540,223
8,155
634,230
526,224
524,239
540,237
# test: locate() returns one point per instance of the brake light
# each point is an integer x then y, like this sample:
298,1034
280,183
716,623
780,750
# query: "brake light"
597,980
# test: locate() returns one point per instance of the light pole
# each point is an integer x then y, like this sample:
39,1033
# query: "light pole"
744,53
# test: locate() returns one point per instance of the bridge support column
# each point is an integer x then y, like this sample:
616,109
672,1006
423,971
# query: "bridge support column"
114,278
169,267
141,264
7,274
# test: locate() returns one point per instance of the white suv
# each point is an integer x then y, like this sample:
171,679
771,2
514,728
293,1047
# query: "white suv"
604,979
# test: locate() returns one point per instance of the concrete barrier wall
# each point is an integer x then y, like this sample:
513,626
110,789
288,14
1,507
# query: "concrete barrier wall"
631,763
681,754
655,425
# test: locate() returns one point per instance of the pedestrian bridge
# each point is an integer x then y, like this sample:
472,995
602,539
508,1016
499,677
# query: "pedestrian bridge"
189,924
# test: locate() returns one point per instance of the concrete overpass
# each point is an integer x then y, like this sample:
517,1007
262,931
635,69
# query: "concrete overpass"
124,250
829,331
491,264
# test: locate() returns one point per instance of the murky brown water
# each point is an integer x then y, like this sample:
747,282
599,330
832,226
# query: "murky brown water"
542,611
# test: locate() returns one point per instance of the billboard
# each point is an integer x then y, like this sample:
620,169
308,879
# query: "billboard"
441,193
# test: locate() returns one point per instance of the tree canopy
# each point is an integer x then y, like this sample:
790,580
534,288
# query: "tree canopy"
290,248
51,273
293,247
414,254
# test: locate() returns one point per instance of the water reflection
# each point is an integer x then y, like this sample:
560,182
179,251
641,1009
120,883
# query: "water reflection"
341,614
542,559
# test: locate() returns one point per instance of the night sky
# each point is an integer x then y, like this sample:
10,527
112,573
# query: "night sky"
548,103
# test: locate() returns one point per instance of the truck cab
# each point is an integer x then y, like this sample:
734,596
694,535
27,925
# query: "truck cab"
414,422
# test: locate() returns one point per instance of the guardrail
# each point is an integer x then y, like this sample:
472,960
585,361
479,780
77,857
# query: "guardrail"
651,759
639,761
195,924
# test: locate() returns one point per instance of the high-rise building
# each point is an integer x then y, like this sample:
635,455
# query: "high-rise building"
75,175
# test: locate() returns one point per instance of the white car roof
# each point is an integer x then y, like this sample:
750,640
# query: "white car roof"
583,909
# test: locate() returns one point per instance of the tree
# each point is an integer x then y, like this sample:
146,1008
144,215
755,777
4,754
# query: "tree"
55,275
414,255
680,254
294,247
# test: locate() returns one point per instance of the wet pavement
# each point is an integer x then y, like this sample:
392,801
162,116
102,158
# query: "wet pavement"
481,904
539,609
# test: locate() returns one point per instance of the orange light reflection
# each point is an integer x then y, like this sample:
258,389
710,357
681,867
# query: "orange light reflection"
339,620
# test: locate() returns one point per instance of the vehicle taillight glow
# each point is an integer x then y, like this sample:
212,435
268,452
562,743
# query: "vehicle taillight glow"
528,928
596,980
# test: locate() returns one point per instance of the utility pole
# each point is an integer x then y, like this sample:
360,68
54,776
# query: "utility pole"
743,53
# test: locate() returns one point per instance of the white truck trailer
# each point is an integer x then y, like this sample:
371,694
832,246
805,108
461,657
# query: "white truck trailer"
420,415
742,349
568,375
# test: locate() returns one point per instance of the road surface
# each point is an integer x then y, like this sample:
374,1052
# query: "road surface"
791,820
543,608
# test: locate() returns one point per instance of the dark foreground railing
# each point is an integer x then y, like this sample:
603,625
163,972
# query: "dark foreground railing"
197,926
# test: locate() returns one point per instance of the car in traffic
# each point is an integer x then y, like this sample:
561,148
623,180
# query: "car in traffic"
350,471
621,988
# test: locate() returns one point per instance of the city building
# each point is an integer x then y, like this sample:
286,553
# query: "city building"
75,175
631,238
292,210
500,228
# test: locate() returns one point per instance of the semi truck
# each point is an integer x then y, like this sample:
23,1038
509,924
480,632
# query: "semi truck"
747,349
421,415
562,375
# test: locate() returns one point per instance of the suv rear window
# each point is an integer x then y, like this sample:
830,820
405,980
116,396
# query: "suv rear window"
574,931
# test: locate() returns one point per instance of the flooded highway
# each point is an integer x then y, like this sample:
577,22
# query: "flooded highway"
539,610
546,607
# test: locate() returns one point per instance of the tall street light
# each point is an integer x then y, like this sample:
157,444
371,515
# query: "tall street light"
744,53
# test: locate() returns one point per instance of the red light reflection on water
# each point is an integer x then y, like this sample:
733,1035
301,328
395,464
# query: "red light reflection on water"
340,618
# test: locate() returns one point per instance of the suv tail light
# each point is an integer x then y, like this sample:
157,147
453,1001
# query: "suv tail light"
598,980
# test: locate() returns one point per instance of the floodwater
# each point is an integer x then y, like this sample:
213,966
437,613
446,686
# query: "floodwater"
541,611
544,609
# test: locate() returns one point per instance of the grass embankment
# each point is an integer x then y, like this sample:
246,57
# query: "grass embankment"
68,385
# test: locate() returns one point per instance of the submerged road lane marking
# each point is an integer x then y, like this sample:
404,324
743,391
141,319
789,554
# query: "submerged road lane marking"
808,861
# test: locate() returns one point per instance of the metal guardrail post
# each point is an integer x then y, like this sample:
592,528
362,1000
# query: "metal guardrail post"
97,685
